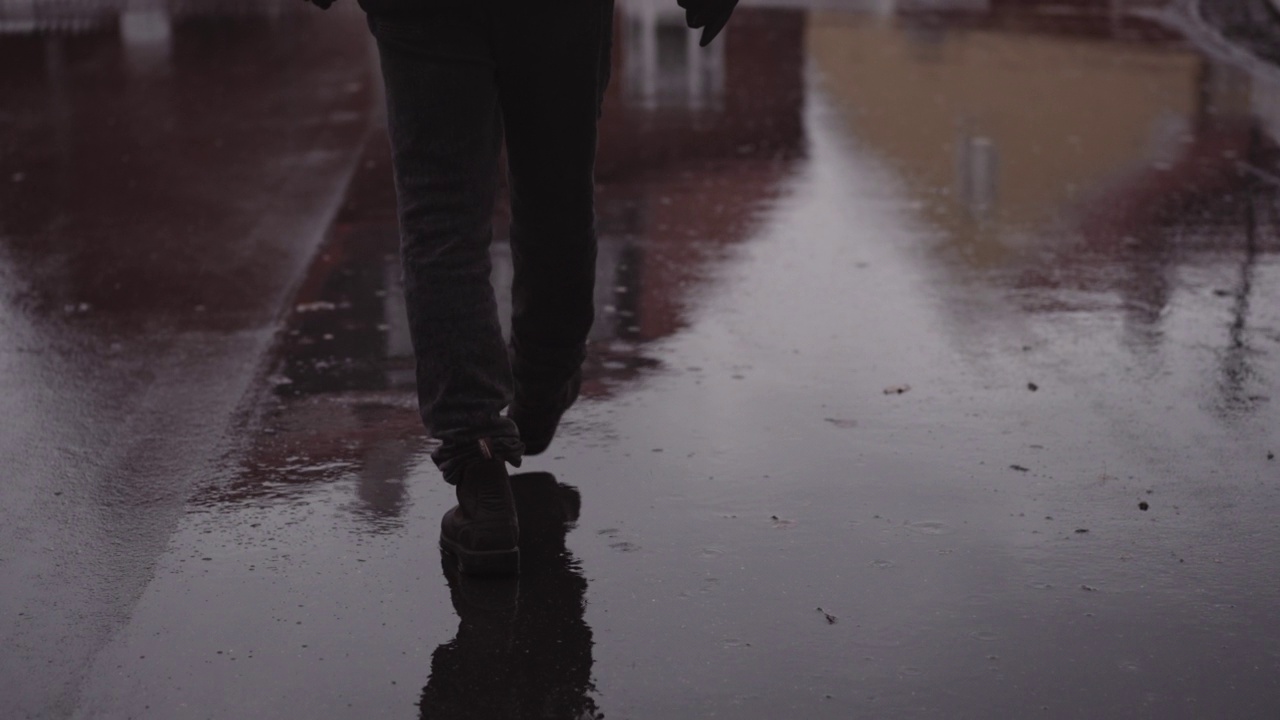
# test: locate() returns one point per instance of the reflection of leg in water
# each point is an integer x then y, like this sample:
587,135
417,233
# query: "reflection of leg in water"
523,649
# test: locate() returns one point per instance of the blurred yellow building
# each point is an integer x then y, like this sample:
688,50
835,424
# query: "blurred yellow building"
1009,123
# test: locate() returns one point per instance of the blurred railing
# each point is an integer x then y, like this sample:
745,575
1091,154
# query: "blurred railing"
75,16
81,16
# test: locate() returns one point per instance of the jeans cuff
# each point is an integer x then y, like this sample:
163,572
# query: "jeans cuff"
452,458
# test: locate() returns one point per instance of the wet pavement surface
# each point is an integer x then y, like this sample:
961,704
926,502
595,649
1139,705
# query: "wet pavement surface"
164,182
933,377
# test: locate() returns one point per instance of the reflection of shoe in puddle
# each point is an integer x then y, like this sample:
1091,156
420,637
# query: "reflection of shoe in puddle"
481,598
523,649
547,509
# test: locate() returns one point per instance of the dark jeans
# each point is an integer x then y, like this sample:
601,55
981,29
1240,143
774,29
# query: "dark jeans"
461,77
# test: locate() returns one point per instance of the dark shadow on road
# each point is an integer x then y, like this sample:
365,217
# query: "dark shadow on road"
523,649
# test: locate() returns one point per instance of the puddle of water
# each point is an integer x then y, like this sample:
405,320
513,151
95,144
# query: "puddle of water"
1051,236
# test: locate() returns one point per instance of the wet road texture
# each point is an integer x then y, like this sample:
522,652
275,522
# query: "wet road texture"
934,376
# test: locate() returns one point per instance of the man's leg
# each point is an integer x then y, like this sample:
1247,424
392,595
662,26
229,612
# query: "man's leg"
446,129
553,65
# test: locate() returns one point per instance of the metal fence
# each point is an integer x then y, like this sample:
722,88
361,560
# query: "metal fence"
81,16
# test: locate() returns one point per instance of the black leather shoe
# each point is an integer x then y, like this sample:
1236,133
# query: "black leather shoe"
537,413
481,531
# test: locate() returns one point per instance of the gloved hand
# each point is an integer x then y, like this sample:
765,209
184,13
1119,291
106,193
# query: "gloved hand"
710,15
322,4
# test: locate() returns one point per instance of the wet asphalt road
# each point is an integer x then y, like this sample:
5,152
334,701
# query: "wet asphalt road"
933,377
164,184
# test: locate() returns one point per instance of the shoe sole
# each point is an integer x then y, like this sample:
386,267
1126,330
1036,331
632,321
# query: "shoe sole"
483,562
